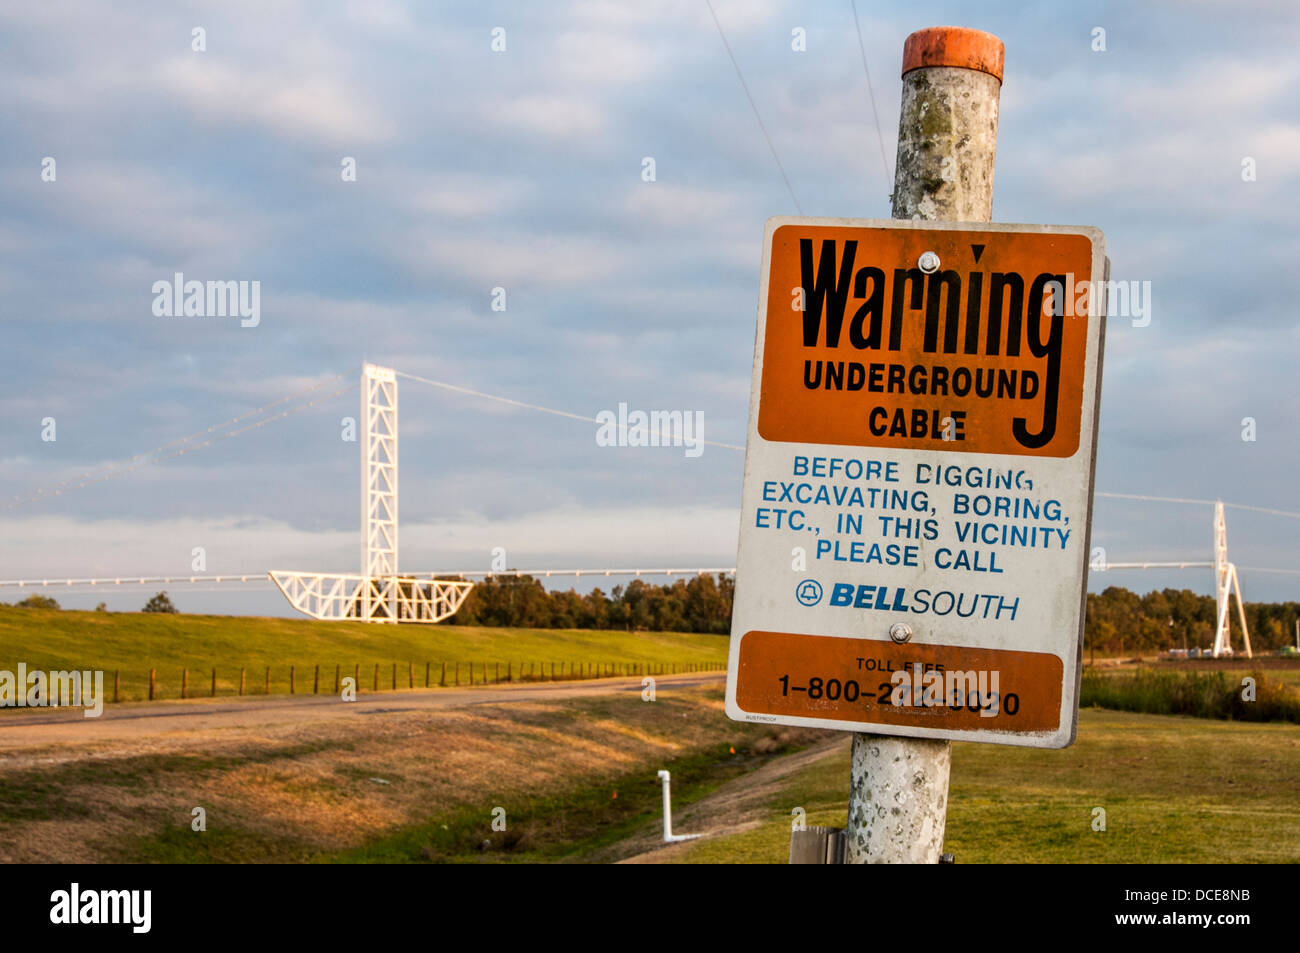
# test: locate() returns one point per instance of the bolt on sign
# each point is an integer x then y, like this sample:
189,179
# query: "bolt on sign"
918,479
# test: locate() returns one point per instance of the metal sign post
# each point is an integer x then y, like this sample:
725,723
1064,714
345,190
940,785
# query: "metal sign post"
919,465
947,143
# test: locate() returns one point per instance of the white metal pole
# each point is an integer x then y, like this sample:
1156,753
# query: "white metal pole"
947,141
668,808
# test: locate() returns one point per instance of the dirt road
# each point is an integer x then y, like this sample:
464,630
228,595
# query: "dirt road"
178,720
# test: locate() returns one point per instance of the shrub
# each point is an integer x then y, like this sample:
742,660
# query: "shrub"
37,602
159,603
1201,694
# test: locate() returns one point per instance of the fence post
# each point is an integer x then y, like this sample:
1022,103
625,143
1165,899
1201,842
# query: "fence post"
117,682
375,684
151,684
394,676
315,682
241,682
458,674
268,679
292,680
185,681
356,677
817,845
410,674
214,681
338,670
426,673
442,682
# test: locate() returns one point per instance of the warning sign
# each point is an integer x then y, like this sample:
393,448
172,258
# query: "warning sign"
918,479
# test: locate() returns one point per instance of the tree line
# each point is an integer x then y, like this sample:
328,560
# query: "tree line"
700,604
159,602
1119,621
1122,622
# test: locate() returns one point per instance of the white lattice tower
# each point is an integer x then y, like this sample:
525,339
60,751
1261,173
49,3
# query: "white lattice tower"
379,491
377,593
1226,585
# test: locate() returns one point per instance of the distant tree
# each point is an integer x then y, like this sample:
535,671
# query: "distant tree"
702,604
159,603
37,602
1117,620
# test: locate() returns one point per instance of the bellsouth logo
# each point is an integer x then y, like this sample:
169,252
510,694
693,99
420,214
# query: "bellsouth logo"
808,592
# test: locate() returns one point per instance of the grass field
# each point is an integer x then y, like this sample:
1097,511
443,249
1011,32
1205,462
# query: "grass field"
394,785
1285,669
577,780
1259,695
578,776
133,643
1175,790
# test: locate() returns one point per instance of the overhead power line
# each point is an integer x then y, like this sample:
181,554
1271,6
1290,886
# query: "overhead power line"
884,161
1180,499
538,407
186,444
754,106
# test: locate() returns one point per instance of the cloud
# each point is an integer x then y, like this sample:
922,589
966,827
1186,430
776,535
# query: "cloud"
320,107
522,170
562,119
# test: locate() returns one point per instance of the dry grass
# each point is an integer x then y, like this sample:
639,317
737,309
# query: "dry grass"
292,792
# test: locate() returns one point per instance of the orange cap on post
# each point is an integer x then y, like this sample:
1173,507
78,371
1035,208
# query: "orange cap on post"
954,46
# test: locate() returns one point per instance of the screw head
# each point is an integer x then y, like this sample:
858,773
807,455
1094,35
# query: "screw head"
900,631
928,262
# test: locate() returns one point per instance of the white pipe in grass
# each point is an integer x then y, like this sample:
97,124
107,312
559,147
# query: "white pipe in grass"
669,836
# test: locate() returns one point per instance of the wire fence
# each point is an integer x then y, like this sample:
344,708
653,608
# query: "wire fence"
372,678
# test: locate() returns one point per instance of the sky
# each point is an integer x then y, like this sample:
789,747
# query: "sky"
522,169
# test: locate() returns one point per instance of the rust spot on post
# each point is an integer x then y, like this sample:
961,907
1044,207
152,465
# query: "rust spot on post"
957,46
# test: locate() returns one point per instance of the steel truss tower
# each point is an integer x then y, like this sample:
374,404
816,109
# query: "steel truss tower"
379,593
1226,586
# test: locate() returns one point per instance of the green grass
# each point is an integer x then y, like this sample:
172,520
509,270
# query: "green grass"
1174,789
1211,694
133,643
573,825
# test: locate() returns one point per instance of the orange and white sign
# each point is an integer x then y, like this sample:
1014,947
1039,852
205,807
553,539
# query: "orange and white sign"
918,479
